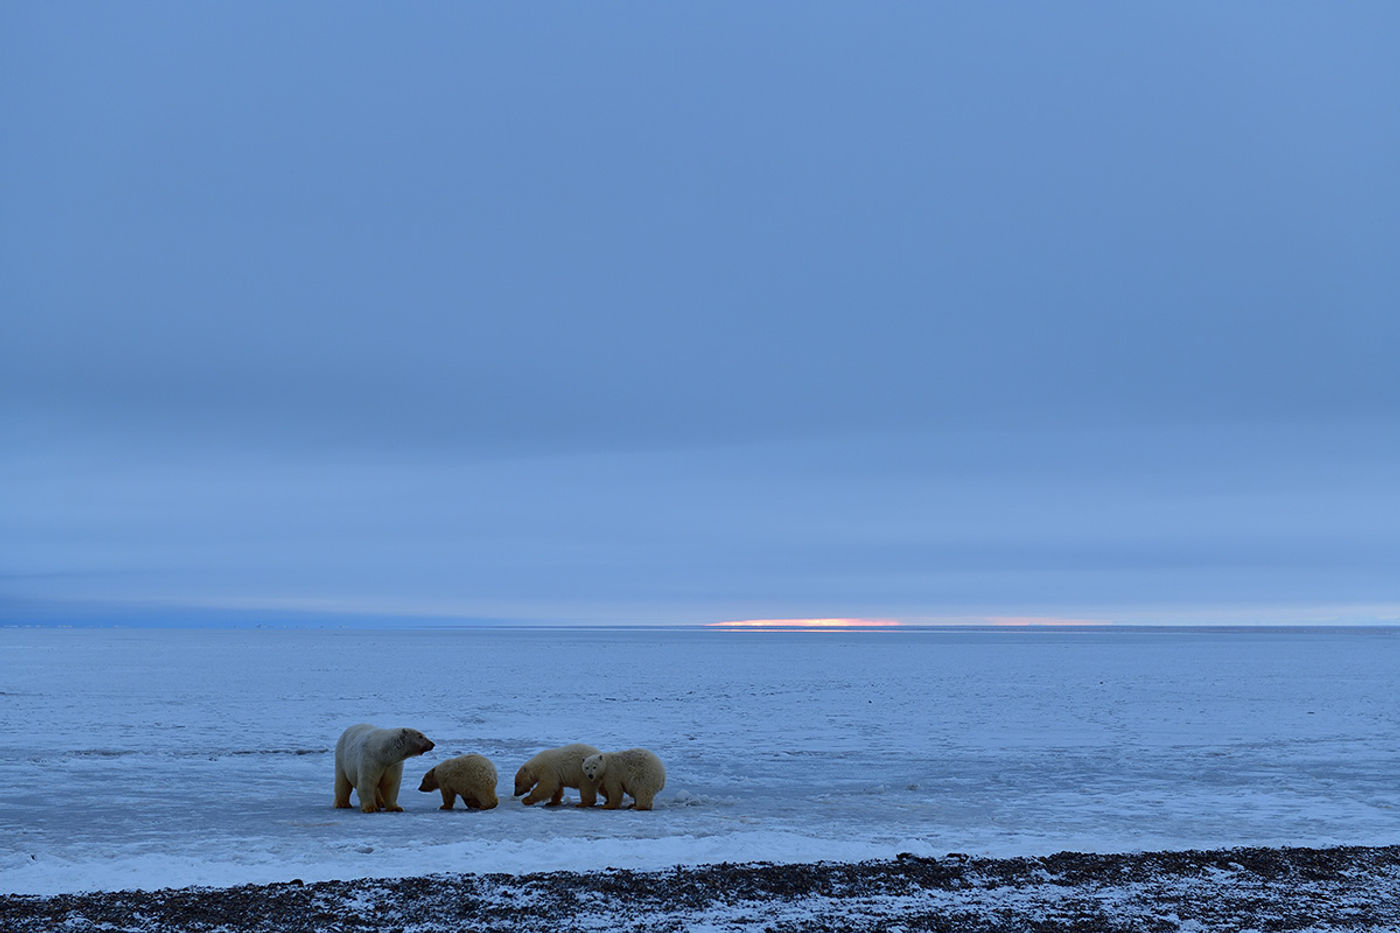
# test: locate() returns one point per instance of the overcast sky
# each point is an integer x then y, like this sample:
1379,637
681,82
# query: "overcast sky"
689,312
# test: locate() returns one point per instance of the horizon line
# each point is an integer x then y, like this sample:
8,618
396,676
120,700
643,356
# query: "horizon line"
831,623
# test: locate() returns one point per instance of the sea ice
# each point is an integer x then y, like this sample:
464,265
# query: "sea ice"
152,758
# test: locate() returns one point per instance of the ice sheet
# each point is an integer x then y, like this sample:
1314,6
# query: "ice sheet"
152,758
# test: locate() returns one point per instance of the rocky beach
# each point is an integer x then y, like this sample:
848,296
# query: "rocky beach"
1223,891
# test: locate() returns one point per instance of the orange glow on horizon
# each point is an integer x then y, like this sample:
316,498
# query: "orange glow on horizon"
807,623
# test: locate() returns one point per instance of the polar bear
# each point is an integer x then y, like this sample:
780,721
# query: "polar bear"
472,777
370,760
635,771
554,769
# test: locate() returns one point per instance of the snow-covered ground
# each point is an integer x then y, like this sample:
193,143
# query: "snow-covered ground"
153,758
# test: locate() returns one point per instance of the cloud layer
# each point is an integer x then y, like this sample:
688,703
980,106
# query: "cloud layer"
686,313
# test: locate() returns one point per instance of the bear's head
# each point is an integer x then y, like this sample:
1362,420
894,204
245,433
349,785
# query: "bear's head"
524,780
411,742
593,766
430,781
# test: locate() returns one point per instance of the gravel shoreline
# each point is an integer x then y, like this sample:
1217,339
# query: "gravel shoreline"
1230,890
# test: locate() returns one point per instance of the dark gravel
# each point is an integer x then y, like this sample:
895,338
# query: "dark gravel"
1258,889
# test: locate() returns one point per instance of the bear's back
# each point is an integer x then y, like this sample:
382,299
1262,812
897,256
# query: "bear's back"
468,769
640,765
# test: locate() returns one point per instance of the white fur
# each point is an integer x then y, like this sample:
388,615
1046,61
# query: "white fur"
370,760
554,769
471,777
635,771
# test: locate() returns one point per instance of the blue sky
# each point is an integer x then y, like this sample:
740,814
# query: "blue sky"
676,313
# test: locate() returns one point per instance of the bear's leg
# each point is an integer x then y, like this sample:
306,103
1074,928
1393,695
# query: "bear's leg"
613,791
342,789
587,793
643,800
547,787
389,787
448,798
367,786
558,797
472,803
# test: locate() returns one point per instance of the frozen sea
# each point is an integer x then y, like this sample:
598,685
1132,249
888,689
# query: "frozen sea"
134,758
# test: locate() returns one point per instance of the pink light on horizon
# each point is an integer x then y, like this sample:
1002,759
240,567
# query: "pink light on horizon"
807,623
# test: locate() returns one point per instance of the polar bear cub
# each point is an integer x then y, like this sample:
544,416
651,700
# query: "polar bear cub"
635,771
370,760
472,777
554,769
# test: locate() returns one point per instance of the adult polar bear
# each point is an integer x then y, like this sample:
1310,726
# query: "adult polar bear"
370,760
